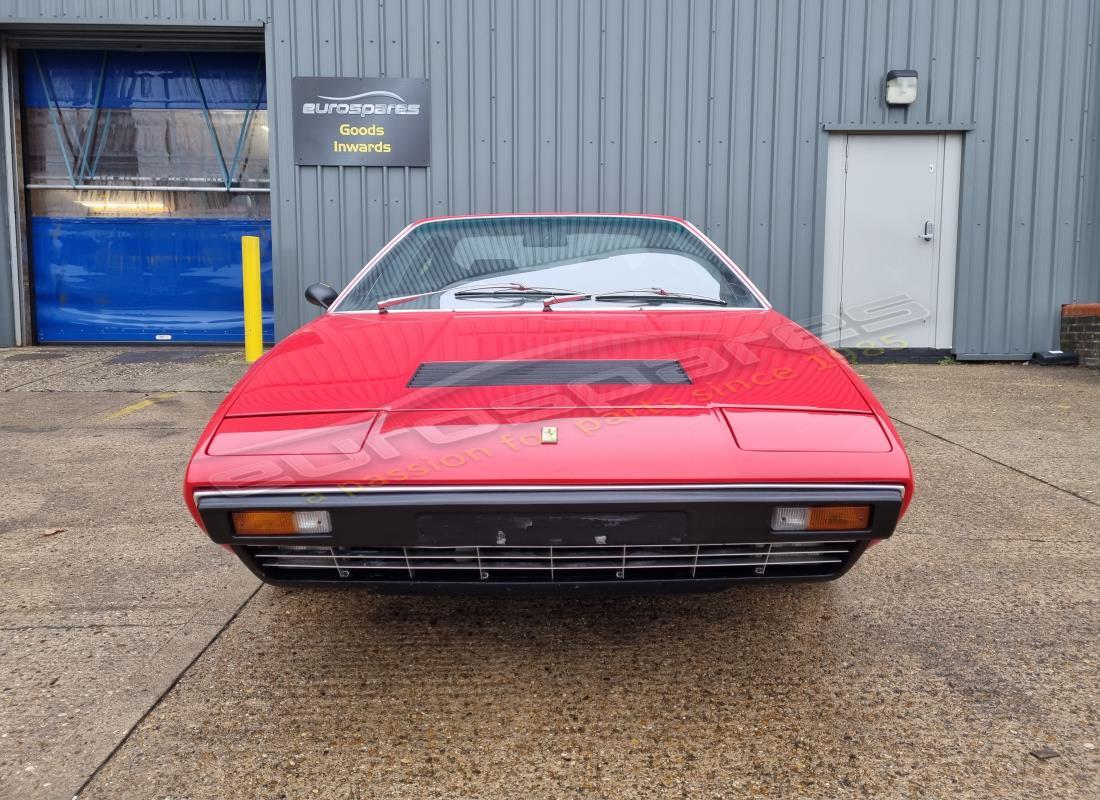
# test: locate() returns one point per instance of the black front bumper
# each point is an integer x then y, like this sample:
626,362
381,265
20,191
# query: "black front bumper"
605,540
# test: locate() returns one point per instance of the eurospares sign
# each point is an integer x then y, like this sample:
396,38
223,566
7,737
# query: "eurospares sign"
361,122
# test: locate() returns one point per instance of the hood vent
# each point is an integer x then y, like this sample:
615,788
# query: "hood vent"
555,371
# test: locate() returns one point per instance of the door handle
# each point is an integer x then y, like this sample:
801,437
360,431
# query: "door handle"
929,232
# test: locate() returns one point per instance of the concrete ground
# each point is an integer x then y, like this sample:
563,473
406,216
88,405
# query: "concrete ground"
139,661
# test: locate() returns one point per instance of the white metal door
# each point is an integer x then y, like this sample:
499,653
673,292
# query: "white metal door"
891,226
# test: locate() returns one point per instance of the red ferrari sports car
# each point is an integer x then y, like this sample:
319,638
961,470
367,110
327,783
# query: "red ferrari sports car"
564,402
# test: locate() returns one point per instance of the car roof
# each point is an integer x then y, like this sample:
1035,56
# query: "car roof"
509,214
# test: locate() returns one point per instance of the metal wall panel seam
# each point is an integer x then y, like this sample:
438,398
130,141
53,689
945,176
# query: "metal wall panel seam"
982,321
967,201
10,335
1012,239
1038,138
1087,153
797,308
865,110
761,279
773,162
1059,173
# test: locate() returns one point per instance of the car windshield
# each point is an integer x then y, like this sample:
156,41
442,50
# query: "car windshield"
520,262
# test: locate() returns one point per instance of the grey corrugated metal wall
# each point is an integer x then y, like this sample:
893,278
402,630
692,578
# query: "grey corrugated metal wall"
1024,216
708,109
1087,266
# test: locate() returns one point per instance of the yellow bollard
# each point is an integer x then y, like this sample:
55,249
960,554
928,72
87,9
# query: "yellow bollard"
253,305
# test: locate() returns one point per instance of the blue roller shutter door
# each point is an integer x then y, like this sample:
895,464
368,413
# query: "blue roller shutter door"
143,170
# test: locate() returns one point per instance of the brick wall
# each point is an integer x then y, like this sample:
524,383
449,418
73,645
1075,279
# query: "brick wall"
1081,331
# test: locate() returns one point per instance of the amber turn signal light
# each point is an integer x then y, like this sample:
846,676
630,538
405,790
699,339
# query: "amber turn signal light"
264,523
839,518
821,518
279,523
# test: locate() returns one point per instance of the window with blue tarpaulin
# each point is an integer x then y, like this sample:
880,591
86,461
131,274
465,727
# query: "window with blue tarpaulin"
142,172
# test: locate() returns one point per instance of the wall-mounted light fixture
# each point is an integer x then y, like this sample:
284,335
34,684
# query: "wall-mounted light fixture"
901,87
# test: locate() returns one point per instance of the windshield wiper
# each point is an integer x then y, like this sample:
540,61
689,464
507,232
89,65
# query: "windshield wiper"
384,305
513,290
550,297
550,302
489,290
655,294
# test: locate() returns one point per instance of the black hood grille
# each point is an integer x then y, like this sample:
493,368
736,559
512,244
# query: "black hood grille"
554,371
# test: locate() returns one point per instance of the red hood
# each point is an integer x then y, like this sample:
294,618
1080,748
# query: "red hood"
331,406
363,362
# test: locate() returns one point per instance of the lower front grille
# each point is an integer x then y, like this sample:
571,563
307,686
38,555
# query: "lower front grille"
540,564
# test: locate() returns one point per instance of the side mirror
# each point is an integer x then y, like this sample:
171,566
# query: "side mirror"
321,294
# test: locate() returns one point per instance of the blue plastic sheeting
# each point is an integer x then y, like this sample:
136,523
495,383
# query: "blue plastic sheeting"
140,280
143,80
